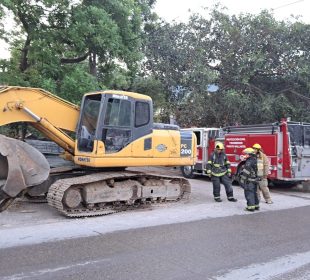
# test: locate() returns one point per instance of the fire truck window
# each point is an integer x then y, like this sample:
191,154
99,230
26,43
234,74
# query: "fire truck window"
296,135
197,133
307,135
213,134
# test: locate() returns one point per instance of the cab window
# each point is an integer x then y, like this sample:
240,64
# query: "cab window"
142,113
118,113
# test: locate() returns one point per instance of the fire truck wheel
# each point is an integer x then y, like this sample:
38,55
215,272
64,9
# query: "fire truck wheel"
188,171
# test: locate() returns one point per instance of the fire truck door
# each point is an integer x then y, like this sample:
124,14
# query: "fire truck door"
305,157
301,161
305,163
300,150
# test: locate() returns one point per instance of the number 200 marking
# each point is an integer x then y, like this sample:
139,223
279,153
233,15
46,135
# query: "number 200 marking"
186,151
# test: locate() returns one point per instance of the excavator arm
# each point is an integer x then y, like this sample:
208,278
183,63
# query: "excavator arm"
22,166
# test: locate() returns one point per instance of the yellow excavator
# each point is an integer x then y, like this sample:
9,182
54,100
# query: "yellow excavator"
113,130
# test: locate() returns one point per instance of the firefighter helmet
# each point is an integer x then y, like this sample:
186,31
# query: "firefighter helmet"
219,146
247,153
257,146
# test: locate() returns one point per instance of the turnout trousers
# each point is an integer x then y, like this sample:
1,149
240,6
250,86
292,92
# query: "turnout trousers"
263,186
225,180
250,193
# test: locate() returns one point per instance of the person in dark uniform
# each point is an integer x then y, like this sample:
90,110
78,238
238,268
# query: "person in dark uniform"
218,168
249,179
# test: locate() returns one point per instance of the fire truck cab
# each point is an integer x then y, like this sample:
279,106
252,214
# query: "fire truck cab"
205,145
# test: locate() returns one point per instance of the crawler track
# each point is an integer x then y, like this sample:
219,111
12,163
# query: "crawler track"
109,192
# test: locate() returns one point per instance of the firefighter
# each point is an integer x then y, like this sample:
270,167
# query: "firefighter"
248,179
262,172
218,168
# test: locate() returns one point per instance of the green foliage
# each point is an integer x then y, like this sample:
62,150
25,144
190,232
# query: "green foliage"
177,56
76,83
112,76
54,36
151,87
260,65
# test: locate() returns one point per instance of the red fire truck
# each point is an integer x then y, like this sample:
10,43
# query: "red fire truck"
286,144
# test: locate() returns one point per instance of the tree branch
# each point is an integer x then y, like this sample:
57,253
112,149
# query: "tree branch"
74,60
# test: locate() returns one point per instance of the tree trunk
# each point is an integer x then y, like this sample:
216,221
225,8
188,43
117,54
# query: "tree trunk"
93,64
24,56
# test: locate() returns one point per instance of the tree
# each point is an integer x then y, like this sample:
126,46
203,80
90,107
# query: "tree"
260,65
54,34
151,87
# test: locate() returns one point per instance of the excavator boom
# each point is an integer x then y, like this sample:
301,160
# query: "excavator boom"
39,101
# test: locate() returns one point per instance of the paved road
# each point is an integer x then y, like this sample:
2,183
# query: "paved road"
236,247
199,239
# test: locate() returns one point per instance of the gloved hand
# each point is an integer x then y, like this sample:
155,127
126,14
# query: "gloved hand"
229,174
209,173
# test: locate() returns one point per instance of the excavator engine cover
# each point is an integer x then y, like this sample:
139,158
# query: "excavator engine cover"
21,167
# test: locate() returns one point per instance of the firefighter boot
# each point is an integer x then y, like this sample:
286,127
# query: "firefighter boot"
257,207
249,208
218,199
232,199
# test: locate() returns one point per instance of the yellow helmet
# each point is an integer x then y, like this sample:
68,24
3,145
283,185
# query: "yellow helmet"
248,151
219,146
257,146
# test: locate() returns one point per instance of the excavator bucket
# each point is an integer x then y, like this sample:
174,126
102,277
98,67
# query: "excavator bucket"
21,167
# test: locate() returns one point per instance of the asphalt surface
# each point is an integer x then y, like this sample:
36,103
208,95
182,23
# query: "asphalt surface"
196,239
204,249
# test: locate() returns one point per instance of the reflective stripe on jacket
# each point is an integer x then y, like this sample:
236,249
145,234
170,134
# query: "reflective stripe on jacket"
249,170
218,164
262,164
260,167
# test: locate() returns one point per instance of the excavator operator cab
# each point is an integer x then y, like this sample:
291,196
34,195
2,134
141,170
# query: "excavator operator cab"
116,118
